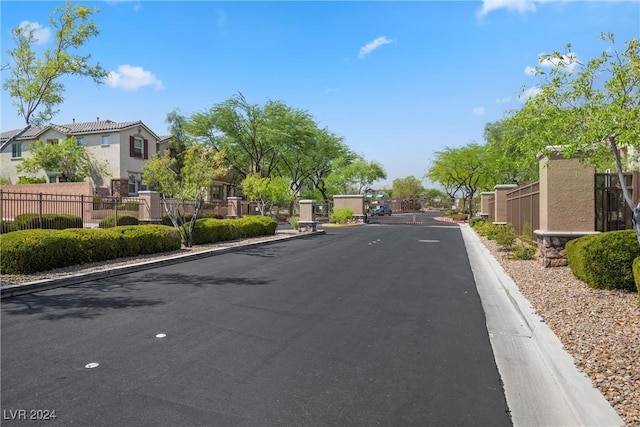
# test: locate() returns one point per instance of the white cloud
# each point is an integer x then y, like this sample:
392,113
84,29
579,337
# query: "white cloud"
41,34
504,100
132,78
568,62
373,45
530,93
529,70
521,6
478,111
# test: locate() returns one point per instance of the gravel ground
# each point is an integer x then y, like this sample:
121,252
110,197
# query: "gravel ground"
599,328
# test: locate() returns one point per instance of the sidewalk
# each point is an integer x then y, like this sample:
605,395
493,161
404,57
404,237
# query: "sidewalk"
542,385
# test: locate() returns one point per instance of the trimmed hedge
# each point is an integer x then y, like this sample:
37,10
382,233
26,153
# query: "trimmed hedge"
605,260
62,248
211,230
476,221
31,221
187,217
123,219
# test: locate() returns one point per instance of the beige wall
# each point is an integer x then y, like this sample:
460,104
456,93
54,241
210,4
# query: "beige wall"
566,195
354,202
501,191
66,188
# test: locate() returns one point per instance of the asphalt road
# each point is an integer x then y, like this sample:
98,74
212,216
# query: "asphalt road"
373,325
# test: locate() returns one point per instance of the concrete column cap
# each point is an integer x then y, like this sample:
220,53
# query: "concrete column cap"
547,233
487,193
234,198
505,186
307,202
349,196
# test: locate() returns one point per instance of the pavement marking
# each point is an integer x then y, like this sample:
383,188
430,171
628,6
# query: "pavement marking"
161,335
91,365
429,241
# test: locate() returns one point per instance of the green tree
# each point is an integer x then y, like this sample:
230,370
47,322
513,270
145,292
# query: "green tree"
354,176
506,160
588,109
67,159
461,169
34,83
247,134
183,191
408,188
267,192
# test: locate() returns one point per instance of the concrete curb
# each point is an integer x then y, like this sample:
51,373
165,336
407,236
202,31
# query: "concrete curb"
72,279
541,382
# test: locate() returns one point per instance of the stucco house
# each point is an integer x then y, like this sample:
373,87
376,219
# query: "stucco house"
124,146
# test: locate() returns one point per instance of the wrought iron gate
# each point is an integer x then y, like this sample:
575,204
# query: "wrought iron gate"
612,212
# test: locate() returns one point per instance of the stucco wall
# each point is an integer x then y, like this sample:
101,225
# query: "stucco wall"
567,201
66,188
354,202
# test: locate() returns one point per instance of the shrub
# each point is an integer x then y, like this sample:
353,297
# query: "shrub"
505,236
6,226
62,248
523,251
31,180
459,217
110,221
489,230
605,261
341,216
294,220
636,273
211,230
527,232
32,221
476,221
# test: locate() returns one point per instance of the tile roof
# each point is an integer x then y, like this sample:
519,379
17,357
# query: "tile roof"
72,128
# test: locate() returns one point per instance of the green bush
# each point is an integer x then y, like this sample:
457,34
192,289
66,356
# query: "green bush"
62,248
476,221
31,180
294,221
506,236
6,226
459,217
489,230
527,232
523,251
31,221
211,230
123,219
605,260
341,216
187,217
636,273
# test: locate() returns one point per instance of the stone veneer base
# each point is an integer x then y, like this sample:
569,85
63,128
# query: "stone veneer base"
551,246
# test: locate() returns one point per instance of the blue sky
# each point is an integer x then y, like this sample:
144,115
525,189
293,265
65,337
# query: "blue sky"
398,80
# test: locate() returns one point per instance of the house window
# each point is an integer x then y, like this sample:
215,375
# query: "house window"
80,141
105,139
16,150
133,185
138,147
53,179
216,192
52,141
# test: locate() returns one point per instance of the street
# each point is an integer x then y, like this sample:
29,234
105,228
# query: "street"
373,325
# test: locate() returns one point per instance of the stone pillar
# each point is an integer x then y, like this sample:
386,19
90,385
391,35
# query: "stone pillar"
235,207
150,209
355,202
567,196
567,206
307,221
484,204
501,202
